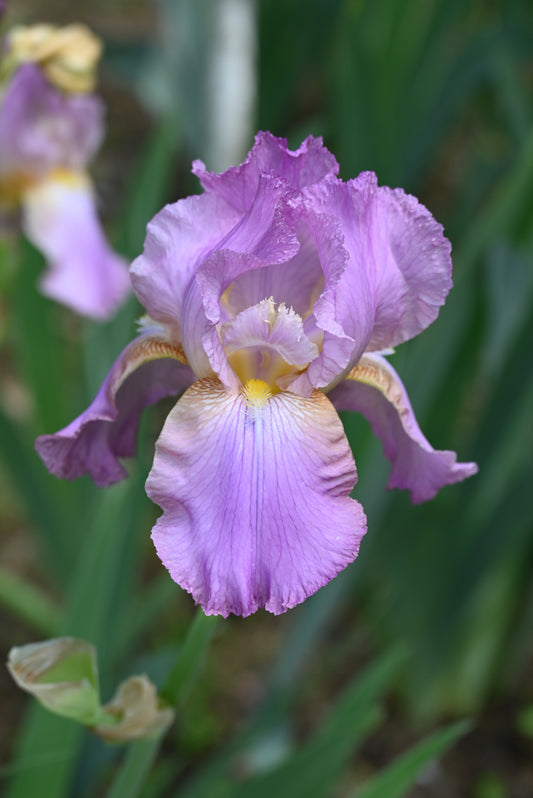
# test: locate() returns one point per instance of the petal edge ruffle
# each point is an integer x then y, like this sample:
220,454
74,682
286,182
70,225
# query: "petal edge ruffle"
256,498
149,369
374,389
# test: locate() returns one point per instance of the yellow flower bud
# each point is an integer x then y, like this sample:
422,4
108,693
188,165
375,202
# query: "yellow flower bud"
68,56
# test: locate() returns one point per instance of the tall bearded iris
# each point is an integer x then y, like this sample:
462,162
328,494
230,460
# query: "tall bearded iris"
269,297
50,128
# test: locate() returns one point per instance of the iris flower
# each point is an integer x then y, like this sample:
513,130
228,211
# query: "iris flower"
51,125
271,297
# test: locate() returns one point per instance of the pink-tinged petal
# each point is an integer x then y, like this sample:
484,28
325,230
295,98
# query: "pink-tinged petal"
297,282
255,494
402,248
182,239
84,273
270,155
178,239
202,311
42,128
413,268
262,237
344,309
149,369
374,389
266,229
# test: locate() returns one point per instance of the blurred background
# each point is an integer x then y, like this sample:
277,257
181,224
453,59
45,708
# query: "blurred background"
434,96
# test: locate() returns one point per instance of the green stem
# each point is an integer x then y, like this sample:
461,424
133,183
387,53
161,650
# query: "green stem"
137,763
186,666
141,755
29,604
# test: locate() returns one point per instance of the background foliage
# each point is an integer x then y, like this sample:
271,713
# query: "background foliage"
435,96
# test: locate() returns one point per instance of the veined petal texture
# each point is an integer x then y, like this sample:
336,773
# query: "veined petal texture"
150,368
398,245
268,291
374,389
255,493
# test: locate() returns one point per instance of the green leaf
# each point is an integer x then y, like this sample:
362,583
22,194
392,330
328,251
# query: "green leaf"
137,764
148,189
39,491
142,754
397,778
190,657
29,603
39,345
317,764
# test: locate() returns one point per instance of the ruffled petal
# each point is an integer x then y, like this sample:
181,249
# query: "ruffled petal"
402,248
344,310
195,248
270,155
42,129
202,311
146,371
374,389
178,239
269,325
263,236
297,282
255,494
84,273
266,230
266,341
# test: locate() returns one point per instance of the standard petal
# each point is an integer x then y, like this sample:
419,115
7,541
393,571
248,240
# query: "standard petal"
344,309
146,371
178,238
84,273
374,389
263,236
400,245
42,128
297,282
270,155
255,497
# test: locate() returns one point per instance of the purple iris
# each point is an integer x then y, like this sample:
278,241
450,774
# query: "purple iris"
270,297
47,138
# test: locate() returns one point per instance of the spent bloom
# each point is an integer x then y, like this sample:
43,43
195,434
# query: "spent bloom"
51,125
62,674
271,298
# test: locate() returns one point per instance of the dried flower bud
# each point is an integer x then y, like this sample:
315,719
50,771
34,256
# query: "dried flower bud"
62,674
133,712
68,56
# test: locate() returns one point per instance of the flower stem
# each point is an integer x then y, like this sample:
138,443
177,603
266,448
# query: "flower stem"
137,763
186,666
141,755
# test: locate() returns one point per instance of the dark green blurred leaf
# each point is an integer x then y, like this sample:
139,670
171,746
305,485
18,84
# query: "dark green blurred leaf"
317,764
40,346
401,775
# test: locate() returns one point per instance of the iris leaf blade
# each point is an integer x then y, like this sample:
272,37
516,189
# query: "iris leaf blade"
401,774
